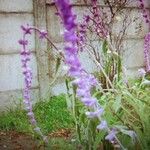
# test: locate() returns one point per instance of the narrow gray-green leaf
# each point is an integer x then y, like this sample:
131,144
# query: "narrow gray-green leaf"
117,103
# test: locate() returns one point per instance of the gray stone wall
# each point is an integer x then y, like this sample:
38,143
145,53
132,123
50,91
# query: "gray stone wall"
14,13
41,13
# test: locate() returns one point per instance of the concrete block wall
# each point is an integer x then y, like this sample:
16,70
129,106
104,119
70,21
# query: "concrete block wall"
41,13
14,13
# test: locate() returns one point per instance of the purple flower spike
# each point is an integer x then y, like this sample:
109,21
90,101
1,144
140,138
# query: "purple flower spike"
27,72
70,37
147,51
99,25
84,81
144,11
83,32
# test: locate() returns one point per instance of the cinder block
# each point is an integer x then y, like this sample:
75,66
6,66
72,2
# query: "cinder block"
55,28
133,53
133,3
132,73
59,88
11,77
11,32
137,27
16,5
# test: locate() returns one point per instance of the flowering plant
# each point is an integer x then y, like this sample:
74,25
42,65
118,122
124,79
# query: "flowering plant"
92,113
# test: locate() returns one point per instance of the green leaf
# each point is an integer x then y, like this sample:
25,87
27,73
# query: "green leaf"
105,47
99,138
130,133
119,67
58,62
67,84
117,103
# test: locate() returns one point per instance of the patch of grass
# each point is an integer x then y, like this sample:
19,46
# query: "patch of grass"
63,144
51,115
15,120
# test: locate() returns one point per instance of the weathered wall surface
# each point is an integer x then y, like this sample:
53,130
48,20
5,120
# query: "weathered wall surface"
41,13
13,14
133,42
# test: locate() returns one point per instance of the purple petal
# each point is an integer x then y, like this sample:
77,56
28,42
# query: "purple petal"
27,29
89,101
94,114
110,137
43,34
23,42
102,125
142,72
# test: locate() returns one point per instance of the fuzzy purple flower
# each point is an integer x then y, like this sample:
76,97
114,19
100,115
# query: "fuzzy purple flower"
27,72
102,125
83,81
147,51
111,136
99,25
89,101
146,15
82,32
141,72
95,114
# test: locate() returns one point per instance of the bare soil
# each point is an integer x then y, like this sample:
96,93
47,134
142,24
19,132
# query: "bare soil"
13,140
16,141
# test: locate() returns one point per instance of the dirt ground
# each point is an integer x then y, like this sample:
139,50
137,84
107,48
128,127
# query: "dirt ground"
16,141
19,141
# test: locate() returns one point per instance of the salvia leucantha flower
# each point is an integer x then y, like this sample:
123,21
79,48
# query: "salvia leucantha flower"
146,17
84,82
27,72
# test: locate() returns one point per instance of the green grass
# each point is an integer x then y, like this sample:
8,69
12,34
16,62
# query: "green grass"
62,144
51,115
